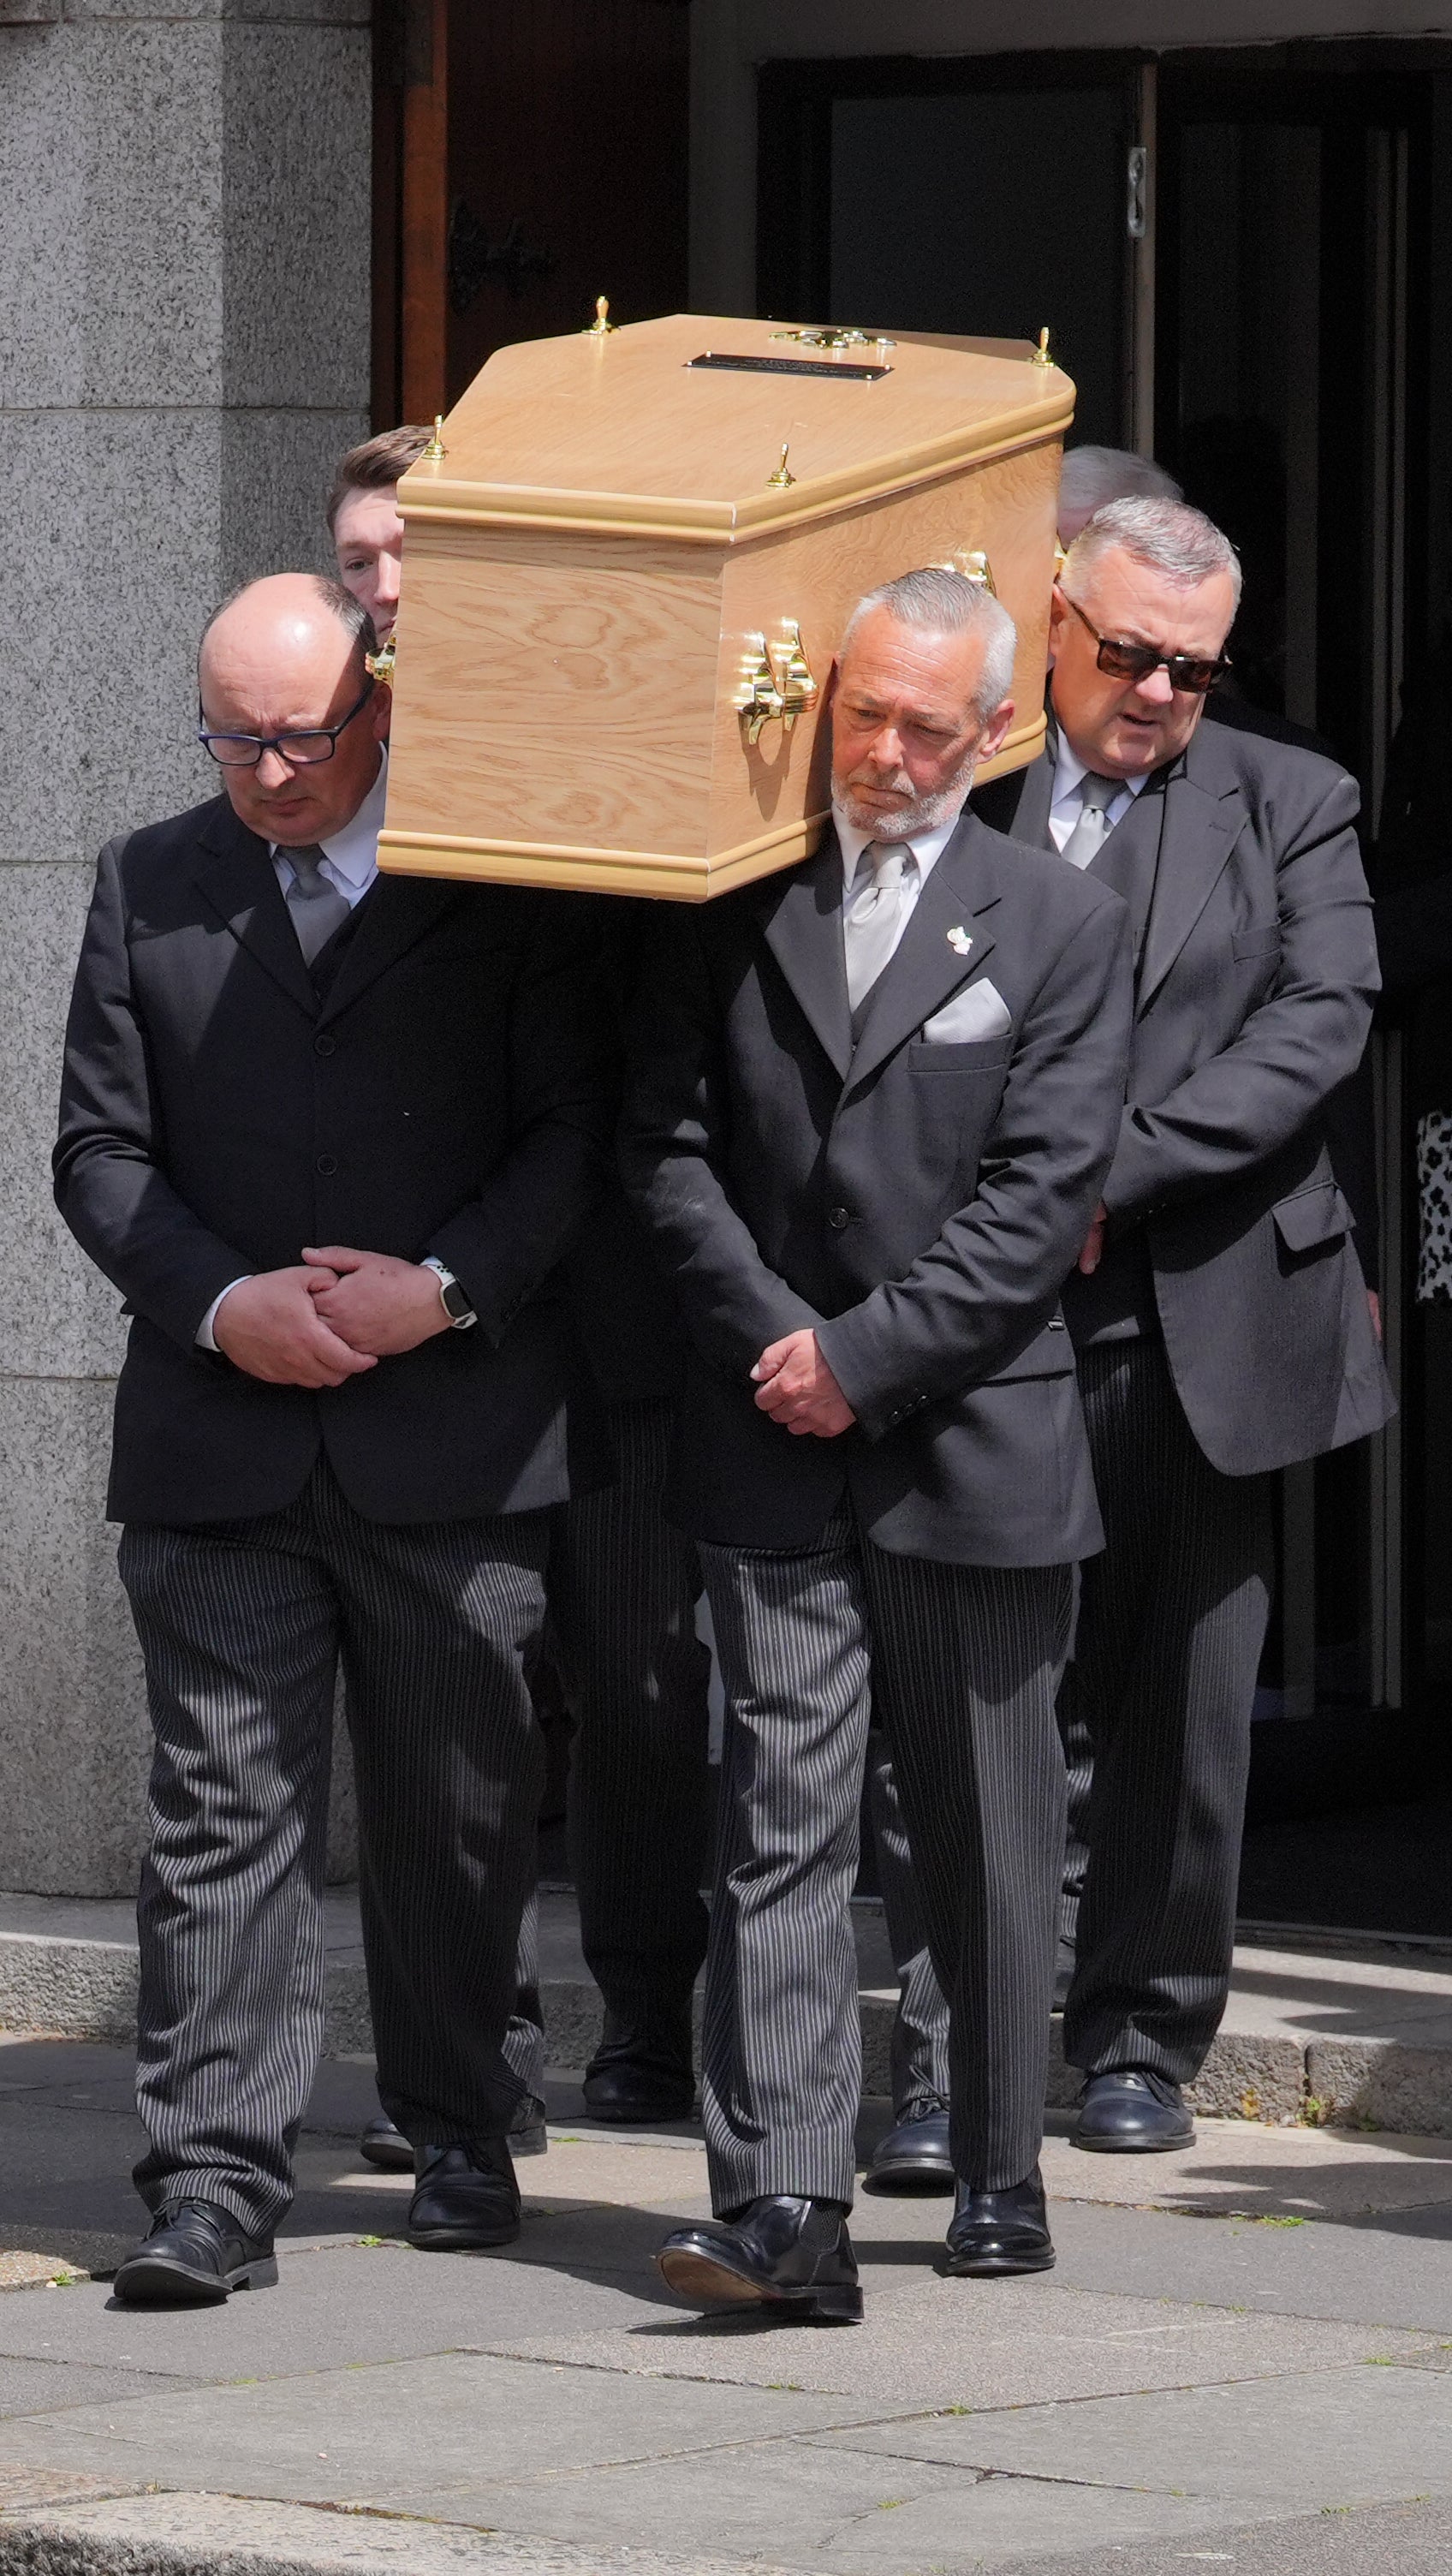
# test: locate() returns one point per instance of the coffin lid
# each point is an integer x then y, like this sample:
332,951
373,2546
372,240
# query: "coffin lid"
620,435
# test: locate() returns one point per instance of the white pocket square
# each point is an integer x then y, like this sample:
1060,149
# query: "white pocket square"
980,1011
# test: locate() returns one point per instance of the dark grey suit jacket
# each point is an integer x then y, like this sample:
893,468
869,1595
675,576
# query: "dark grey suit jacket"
1254,980
917,1203
449,1093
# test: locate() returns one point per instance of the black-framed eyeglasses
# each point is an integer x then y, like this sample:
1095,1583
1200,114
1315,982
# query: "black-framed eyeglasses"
299,750
1196,672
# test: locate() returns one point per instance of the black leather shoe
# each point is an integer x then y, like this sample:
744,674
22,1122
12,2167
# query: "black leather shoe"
193,2255
994,2232
640,2075
466,2195
912,2161
1132,2113
386,2147
792,2256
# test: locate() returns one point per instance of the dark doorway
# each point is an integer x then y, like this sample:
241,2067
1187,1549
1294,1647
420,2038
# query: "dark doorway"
984,196
527,160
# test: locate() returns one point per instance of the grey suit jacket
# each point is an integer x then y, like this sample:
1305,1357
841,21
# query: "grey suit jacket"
1254,983
915,1201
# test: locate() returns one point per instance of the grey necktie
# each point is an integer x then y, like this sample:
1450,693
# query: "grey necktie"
1093,827
317,908
872,922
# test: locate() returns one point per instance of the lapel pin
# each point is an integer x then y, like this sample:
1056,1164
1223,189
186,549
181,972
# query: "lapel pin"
959,940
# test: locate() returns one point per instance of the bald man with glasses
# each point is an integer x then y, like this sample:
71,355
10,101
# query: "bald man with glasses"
329,1134
1218,1310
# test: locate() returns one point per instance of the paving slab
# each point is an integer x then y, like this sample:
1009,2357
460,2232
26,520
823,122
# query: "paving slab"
1354,2435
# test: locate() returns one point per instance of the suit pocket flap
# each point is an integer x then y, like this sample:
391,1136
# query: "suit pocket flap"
1309,1217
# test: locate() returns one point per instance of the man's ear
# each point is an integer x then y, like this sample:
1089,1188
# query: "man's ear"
382,710
991,739
1058,620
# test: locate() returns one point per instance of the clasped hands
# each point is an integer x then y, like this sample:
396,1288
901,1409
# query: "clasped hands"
335,1314
796,1387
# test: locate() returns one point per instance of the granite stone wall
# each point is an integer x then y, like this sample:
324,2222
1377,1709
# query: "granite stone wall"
184,231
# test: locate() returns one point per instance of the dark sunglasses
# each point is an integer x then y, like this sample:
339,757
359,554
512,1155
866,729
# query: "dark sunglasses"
1196,672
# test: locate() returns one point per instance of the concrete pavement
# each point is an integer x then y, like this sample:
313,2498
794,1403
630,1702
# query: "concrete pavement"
1243,2360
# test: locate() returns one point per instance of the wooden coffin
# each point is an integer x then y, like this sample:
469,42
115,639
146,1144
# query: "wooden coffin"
607,574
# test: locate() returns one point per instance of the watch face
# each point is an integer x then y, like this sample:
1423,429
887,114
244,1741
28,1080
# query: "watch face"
456,1300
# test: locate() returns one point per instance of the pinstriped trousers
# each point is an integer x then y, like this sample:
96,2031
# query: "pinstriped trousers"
1171,1624
961,1663
241,1626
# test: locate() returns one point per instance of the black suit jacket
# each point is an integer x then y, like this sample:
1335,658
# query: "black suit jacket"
916,1203
1253,994
450,1094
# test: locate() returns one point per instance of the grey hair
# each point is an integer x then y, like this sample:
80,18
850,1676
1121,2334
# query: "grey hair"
350,613
1168,536
1094,475
943,602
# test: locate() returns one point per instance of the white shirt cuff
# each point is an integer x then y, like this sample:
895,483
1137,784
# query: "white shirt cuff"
206,1335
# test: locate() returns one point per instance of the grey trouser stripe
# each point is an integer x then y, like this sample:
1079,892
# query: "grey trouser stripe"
961,1663
623,1586
1171,1625
241,1625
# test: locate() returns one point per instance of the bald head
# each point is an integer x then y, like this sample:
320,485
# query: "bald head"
288,656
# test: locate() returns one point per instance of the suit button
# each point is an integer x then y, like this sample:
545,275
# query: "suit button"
837,1219
327,1164
325,1046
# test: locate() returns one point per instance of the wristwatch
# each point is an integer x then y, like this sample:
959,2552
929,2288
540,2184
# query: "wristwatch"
453,1296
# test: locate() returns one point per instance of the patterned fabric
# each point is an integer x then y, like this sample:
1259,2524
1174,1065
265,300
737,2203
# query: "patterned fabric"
623,1586
241,1626
1434,1178
962,1666
1172,1618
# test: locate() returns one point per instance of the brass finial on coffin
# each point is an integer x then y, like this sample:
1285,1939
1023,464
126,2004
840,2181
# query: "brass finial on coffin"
783,477
1041,356
602,326
435,447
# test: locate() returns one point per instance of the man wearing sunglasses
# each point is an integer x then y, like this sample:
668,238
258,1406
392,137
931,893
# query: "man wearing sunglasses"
329,1135
1218,1311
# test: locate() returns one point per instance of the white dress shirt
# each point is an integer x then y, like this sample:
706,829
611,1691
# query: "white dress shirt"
924,851
1070,773
350,863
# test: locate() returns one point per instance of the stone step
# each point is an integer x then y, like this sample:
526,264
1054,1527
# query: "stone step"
1324,2028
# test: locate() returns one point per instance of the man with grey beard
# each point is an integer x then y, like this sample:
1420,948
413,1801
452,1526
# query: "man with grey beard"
872,1106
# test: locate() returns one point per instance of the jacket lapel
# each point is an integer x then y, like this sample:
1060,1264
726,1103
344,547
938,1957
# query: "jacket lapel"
396,912
1018,804
929,966
802,926
235,874
1204,817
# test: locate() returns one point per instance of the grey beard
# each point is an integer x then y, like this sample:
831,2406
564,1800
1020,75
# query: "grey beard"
926,815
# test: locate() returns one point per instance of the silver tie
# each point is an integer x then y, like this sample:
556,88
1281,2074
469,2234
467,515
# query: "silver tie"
316,907
872,922
1093,827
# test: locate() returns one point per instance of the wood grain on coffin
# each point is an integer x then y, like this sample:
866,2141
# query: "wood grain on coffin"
566,700
560,696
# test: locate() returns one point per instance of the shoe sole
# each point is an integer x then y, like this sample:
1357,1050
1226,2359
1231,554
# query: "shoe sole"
901,2181
1132,2146
387,2159
704,2284
999,2267
459,2240
151,2281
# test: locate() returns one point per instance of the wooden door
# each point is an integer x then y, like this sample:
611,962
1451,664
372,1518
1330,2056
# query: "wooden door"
528,159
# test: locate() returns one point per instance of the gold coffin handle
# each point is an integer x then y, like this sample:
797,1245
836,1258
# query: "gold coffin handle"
776,680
